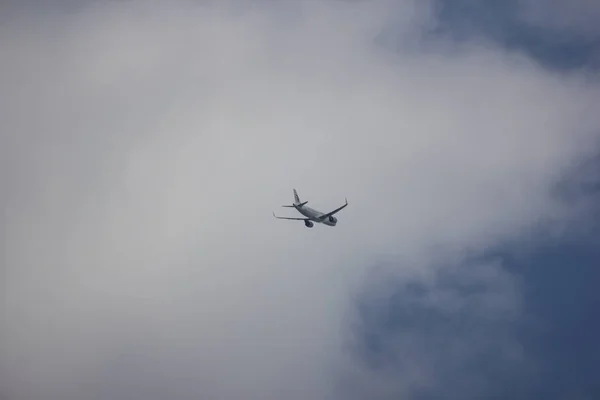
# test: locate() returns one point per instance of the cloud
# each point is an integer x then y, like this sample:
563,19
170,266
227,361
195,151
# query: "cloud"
454,334
145,146
579,16
526,26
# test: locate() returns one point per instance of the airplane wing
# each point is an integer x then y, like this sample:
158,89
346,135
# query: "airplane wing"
329,214
297,219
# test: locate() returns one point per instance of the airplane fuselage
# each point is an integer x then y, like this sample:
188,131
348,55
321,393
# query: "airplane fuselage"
315,215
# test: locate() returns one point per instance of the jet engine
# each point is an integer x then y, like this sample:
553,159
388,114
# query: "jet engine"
333,219
309,224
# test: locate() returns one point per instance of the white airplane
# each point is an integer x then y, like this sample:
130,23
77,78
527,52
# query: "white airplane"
311,215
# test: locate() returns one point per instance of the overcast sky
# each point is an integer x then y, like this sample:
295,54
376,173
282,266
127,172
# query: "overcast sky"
145,144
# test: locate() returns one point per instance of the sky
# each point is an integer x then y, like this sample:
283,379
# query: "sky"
145,145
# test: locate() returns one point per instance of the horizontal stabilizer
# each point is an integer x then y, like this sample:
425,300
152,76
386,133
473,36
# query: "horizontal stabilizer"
296,219
296,205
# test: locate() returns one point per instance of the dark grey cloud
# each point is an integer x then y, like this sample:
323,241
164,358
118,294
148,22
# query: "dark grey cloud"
146,144
460,328
452,336
556,34
578,16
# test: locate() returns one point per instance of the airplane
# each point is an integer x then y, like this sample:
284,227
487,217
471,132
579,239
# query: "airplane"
312,216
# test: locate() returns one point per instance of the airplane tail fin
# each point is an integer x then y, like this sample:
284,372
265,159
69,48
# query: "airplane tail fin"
297,202
296,198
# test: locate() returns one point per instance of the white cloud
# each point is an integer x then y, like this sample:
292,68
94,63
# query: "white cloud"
145,146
